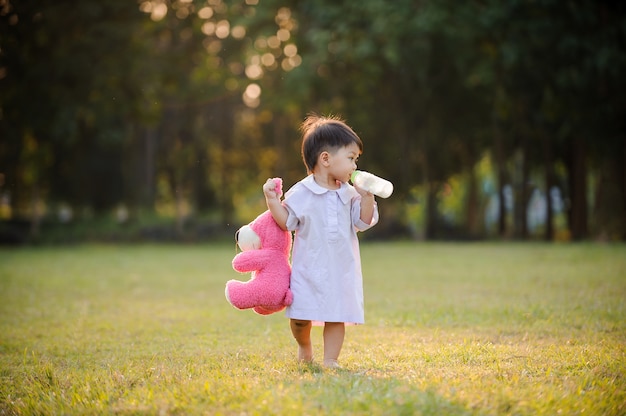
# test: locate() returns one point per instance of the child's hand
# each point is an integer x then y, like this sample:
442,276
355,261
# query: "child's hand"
273,190
269,189
362,191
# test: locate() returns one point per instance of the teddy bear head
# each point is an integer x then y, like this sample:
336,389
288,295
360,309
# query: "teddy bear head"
263,233
247,239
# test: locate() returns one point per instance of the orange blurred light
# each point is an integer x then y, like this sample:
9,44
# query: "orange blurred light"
205,13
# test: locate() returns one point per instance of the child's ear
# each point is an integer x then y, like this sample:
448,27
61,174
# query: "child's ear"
323,158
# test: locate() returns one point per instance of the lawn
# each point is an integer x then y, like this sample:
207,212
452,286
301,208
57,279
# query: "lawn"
461,329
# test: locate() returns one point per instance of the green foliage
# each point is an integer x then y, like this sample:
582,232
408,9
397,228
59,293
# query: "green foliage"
119,96
505,329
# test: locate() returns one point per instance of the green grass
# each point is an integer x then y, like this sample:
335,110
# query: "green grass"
474,329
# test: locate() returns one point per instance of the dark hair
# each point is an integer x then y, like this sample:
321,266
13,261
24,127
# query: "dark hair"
321,134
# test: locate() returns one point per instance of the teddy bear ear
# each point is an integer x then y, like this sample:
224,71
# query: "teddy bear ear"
247,239
279,186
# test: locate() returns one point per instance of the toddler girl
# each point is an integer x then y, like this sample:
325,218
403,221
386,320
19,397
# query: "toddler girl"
325,212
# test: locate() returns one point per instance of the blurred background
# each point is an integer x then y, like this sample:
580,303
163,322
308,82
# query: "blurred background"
160,120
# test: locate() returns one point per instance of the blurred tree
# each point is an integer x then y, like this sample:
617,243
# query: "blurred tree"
65,98
546,77
215,61
188,68
195,102
399,72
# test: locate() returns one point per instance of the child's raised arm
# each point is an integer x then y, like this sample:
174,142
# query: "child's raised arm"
367,205
272,198
367,208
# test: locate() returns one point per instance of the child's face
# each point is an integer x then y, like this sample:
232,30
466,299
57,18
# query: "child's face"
343,162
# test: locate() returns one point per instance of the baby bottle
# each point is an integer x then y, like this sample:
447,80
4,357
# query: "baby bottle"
372,183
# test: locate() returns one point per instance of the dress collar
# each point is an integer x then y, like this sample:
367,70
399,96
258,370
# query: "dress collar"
344,192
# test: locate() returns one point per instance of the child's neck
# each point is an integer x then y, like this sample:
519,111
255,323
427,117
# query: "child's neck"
324,180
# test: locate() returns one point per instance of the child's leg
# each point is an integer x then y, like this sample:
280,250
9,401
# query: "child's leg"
301,331
334,333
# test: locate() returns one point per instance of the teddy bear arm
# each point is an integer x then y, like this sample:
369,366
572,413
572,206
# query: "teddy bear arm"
253,260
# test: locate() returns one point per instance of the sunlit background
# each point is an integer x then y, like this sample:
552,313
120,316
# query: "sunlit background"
161,119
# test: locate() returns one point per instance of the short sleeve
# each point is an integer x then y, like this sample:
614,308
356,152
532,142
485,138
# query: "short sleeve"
356,215
292,219
293,202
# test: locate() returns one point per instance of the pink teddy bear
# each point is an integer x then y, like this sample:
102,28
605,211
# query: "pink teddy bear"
265,252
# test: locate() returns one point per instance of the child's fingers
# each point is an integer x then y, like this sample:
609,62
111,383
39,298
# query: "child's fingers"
362,191
269,187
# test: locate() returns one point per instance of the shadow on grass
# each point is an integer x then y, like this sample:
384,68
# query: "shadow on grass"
358,391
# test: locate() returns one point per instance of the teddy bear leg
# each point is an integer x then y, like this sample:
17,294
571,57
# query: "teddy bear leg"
266,311
237,295
261,311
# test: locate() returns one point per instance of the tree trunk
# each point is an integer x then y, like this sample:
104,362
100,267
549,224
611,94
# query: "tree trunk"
203,195
149,188
180,212
224,115
35,221
521,193
501,176
525,191
472,222
430,213
431,219
549,183
621,184
472,205
609,214
177,194
14,190
577,178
